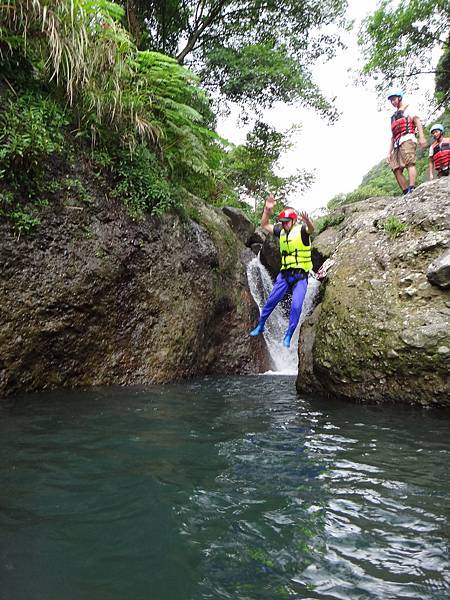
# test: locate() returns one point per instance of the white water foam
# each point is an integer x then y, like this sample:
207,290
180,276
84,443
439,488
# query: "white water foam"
284,360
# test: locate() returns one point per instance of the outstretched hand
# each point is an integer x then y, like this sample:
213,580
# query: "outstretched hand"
305,217
309,224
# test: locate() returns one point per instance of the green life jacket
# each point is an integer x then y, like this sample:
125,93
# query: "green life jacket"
294,253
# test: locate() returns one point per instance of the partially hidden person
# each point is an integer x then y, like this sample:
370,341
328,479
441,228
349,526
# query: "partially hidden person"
295,249
402,148
439,155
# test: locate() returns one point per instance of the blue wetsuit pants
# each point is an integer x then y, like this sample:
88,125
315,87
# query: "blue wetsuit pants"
280,288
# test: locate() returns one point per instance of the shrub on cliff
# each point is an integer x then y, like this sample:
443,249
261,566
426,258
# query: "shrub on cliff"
72,63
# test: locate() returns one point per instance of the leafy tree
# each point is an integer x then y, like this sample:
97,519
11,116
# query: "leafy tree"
252,166
442,78
156,24
397,40
252,51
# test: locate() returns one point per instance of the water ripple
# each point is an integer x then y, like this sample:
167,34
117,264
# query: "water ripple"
221,488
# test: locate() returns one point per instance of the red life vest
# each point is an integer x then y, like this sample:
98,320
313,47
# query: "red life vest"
401,125
441,154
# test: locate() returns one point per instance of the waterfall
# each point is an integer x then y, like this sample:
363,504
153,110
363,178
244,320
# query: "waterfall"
284,360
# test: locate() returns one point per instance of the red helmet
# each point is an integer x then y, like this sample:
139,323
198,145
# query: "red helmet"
287,214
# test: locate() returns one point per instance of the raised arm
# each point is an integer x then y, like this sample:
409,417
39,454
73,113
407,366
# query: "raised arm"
268,208
309,224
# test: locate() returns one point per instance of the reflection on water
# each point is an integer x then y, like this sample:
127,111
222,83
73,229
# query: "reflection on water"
221,488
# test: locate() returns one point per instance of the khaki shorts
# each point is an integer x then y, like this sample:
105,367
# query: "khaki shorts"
403,156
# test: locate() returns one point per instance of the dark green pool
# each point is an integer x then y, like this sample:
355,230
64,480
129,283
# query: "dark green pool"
221,488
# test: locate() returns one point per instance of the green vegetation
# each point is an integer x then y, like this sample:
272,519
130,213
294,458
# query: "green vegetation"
251,52
393,227
251,168
23,219
139,180
398,38
77,87
30,130
328,220
73,80
101,84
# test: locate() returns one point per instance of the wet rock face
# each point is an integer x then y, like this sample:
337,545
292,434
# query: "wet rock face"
95,298
382,333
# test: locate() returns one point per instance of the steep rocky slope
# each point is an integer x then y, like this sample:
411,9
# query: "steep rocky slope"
93,297
381,332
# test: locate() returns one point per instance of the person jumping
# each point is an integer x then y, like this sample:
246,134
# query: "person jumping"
295,248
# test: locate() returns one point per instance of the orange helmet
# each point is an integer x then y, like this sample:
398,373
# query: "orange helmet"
287,214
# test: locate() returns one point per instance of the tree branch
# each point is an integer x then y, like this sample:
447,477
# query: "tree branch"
199,12
134,26
186,6
413,73
196,33
429,36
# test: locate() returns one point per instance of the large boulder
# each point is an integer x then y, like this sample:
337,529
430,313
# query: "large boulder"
240,223
93,297
382,330
438,272
258,236
270,255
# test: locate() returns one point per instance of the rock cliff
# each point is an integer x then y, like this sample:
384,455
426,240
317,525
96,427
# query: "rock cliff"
92,297
381,332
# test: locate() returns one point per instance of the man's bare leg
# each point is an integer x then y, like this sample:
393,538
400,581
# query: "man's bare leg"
401,179
412,173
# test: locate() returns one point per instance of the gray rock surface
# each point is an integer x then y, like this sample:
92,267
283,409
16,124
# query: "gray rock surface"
240,224
93,297
382,330
438,272
258,237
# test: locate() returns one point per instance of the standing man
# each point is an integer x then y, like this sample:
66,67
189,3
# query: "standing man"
402,148
295,248
439,155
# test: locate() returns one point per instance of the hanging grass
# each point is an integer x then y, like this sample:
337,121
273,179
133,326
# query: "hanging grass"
79,49
81,46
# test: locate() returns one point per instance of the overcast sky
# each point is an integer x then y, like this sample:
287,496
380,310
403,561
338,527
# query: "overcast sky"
343,153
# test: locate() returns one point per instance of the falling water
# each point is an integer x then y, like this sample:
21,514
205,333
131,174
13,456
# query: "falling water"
284,360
